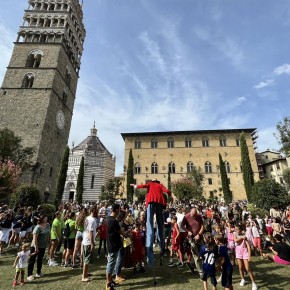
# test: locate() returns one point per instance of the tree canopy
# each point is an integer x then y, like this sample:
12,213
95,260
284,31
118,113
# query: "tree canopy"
12,149
267,192
283,135
225,182
190,186
130,177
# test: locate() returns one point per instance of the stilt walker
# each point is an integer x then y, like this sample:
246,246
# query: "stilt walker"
155,203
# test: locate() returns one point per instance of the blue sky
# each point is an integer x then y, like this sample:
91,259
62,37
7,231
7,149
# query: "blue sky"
162,65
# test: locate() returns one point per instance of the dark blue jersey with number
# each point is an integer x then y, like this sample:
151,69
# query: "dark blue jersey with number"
208,259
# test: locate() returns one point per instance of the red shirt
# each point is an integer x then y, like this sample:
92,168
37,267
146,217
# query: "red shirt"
102,230
192,224
155,192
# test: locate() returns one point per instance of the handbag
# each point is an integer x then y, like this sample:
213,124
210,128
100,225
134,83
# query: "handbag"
126,242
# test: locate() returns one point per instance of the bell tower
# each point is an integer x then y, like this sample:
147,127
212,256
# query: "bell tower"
38,91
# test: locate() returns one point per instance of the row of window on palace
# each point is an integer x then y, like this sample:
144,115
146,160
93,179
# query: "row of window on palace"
187,142
189,167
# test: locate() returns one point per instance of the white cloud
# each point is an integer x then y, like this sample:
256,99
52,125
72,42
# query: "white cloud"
266,83
242,99
283,69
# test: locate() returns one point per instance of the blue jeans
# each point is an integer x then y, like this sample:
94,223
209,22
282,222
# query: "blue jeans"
112,259
119,263
154,208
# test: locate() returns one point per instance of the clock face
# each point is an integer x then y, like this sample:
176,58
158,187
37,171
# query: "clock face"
60,119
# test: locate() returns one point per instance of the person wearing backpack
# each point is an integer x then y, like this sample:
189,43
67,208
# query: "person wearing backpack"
69,234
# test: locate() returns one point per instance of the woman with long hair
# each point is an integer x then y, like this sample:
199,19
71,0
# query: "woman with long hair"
79,236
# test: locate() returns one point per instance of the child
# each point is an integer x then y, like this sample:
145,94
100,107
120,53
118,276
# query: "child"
208,254
102,229
256,237
175,246
224,264
231,243
21,263
137,253
243,255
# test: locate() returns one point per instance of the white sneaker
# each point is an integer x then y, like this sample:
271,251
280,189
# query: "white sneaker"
254,286
243,282
39,275
30,278
52,263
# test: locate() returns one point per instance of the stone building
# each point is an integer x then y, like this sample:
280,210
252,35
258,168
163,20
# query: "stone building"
99,168
157,153
273,164
38,92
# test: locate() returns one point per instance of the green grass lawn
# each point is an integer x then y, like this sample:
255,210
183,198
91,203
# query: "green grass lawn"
268,276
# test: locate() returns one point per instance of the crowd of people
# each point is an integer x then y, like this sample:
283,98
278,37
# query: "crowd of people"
207,237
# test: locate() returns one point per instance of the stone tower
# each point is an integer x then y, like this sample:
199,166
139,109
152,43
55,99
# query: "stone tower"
38,92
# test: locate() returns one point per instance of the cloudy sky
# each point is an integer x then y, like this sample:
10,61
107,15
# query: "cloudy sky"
162,65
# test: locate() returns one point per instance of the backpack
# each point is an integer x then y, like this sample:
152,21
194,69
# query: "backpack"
66,231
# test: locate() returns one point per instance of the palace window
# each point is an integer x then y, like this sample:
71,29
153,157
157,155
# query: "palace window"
207,167
154,168
205,142
188,142
209,181
189,166
137,144
154,143
137,168
223,141
238,142
227,166
171,167
170,142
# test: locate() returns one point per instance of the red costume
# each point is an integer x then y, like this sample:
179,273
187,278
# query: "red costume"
155,192
102,231
175,242
137,254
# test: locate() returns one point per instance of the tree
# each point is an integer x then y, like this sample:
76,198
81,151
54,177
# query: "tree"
110,189
286,177
183,189
12,149
267,192
248,175
283,135
169,181
130,177
141,194
61,178
9,173
26,195
228,197
196,175
80,182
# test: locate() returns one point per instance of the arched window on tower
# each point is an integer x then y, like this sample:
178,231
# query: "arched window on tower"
92,181
64,96
67,77
207,167
189,166
154,168
34,58
171,167
137,168
28,81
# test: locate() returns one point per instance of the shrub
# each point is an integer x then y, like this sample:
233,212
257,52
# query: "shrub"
261,212
49,210
26,195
